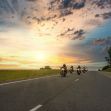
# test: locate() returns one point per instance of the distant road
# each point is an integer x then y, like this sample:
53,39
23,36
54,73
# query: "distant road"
87,92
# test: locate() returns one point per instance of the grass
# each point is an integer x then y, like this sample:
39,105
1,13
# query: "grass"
108,70
12,75
107,74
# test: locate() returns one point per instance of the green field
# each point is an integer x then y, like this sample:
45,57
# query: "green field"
12,75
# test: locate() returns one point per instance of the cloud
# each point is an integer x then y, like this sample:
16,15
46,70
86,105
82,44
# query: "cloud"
106,15
73,35
79,34
99,42
73,4
93,22
6,26
5,7
101,3
65,12
78,5
15,4
86,52
7,23
66,3
104,41
71,19
101,45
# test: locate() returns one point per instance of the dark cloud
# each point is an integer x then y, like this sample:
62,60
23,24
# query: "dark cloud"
79,34
104,15
103,42
67,32
64,6
65,12
39,19
78,5
54,4
97,15
73,35
101,3
73,4
78,37
66,3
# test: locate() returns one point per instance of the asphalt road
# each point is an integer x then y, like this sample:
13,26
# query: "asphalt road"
87,92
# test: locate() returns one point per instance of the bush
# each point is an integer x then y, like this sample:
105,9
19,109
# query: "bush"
108,59
105,67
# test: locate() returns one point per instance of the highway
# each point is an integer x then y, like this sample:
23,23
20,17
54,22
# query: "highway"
88,92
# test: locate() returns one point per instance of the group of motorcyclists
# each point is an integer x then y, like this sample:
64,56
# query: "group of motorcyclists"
64,70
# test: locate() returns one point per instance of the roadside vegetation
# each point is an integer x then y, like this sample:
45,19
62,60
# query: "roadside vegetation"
108,60
12,75
108,70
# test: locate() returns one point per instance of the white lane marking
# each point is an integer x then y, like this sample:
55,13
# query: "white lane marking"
36,108
76,80
25,80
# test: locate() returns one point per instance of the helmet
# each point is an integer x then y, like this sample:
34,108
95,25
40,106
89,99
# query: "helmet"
64,65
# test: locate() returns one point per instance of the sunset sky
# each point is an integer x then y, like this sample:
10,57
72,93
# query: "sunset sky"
35,33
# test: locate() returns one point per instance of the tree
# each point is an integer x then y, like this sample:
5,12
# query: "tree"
47,67
42,68
108,59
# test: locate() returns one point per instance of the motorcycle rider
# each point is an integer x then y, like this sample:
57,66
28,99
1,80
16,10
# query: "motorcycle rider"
79,69
71,69
84,69
64,67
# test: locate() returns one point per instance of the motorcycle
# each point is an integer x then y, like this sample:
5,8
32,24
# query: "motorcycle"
78,71
63,72
71,71
84,70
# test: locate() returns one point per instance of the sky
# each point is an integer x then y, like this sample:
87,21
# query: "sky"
36,33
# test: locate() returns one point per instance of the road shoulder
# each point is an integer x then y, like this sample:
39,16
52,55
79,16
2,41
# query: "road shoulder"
107,74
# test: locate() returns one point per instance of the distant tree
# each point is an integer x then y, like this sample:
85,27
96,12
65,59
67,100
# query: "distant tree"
47,67
108,59
42,68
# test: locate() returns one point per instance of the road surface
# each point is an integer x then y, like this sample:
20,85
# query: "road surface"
87,92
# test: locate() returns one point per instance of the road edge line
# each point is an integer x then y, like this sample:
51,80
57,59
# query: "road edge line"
36,108
19,81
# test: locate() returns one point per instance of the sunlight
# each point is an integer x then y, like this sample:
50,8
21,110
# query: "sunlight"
40,56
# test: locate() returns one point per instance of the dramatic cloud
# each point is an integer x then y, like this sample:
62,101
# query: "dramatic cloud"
59,29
